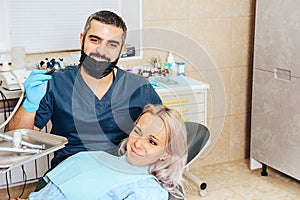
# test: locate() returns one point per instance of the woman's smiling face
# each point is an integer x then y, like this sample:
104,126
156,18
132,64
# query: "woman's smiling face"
147,141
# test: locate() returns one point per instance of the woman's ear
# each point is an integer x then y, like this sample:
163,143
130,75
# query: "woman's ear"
165,156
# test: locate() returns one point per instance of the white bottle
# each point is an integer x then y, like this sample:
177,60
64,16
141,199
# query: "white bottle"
171,65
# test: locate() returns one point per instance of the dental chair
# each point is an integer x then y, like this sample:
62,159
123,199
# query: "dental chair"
198,139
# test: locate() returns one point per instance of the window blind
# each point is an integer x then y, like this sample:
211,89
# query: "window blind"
52,25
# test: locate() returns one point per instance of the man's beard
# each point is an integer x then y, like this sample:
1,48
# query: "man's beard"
96,69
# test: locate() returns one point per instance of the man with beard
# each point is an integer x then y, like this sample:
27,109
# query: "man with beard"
93,105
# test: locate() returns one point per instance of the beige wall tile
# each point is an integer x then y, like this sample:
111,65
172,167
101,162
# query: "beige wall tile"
239,137
167,40
150,53
218,151
210,8
243,29
170,35
220,53
211,30
194,73
225,75
240,93
217,93
214,36
243,7
165,10
180,26
242,54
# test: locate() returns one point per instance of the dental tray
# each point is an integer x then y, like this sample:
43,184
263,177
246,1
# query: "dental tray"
11,157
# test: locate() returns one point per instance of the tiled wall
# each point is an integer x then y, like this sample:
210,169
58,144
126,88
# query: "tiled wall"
224,30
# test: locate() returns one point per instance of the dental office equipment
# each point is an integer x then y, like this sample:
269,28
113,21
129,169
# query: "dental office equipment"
20,148
17,141
18,144
40,145
53,63
50,71
14,144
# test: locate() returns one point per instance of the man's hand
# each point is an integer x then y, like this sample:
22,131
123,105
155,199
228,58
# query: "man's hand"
35,89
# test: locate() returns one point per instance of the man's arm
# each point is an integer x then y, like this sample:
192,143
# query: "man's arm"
35,88
22,119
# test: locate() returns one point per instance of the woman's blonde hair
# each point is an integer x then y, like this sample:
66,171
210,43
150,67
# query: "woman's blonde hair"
169,172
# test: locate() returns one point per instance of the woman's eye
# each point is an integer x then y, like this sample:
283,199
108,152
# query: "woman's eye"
152,142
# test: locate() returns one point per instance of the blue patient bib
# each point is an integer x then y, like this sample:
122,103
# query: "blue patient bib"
88,175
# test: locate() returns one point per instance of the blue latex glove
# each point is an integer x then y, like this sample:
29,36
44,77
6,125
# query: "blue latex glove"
35,88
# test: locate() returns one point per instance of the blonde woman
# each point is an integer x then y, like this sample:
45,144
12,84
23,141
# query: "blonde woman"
151,165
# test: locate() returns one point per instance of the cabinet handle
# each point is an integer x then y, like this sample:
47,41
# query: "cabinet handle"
283,74
183,111
175,102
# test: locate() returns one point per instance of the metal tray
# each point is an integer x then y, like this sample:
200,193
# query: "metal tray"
10,159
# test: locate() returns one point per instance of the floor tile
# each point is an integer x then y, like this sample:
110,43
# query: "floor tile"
235,181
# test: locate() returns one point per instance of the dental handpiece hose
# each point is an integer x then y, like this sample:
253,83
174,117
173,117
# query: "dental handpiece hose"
9,138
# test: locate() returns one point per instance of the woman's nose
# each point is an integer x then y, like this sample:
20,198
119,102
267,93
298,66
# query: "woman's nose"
139,143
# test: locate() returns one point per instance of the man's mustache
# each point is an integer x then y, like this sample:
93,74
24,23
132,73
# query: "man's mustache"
98,55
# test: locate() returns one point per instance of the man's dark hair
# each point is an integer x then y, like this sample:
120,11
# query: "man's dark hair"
106,17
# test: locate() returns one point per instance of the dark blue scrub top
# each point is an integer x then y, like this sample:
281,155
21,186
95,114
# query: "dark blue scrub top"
88,123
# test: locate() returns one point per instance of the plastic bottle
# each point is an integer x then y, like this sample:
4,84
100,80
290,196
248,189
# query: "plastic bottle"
171,64
180,68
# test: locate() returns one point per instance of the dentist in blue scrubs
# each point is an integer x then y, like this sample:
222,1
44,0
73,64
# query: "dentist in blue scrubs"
94,105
